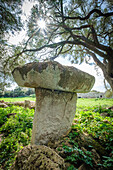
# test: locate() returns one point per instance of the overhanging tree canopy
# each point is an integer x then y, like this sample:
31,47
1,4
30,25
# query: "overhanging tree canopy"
10,22
10,19
78,28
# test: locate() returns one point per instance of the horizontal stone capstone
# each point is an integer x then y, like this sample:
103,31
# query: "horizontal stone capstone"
52,75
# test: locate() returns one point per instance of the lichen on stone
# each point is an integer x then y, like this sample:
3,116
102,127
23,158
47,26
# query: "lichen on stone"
38,157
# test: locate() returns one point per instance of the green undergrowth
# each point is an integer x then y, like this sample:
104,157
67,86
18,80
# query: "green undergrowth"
98,123
16,125
74,154
94,119
92,130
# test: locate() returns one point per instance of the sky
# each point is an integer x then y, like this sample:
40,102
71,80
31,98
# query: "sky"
99,83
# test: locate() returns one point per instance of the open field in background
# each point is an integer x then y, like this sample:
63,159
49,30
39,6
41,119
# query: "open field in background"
82,103
91,133
17,99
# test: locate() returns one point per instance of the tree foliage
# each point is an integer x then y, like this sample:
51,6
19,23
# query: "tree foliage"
10,19
77,28
10,22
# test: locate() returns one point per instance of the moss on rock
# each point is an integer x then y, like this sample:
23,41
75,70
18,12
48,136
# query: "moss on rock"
38,158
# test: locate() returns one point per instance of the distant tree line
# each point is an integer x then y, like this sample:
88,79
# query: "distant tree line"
17,92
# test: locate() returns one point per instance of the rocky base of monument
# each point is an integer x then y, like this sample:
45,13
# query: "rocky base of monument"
54,155
39,157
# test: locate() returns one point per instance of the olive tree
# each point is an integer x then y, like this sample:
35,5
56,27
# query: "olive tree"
82,29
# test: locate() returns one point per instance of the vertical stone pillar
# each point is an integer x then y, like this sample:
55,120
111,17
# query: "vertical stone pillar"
54,114
56,87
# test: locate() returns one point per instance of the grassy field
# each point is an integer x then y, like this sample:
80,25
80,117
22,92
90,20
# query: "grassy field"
18,99
92,118
81,102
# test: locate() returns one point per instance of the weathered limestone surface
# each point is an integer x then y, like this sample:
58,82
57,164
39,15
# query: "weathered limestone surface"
52,75
38,157
54,115
56,88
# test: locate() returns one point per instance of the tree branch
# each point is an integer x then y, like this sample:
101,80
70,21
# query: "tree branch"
94,35
97,45
62,11
92,48
81,27
63,52
96,60
89,14
87,43
57,54
92,29
37,30
54,45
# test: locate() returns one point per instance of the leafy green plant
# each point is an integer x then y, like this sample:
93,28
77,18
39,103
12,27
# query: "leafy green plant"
3,115
97,121
16,134
75,154
71,168
108,162
9,147
99,127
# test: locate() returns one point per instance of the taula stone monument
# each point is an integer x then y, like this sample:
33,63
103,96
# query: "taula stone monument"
55,87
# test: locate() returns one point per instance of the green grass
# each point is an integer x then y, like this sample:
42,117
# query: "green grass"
85,103
16,126
81,102
15,99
